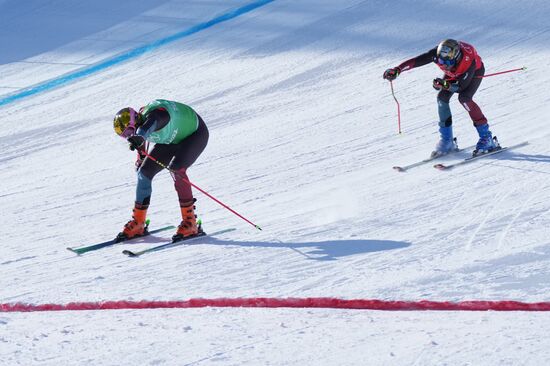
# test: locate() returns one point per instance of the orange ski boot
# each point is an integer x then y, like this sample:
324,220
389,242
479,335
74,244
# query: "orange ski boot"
136,226
188,226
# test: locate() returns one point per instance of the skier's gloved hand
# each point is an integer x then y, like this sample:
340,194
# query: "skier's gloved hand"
135,142
392,74
441,84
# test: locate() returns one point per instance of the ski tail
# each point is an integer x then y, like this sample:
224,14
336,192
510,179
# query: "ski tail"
118,239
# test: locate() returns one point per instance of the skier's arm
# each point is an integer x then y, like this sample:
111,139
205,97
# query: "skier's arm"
154,120
419,60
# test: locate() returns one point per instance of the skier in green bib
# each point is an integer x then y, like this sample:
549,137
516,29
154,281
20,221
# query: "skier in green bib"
179,135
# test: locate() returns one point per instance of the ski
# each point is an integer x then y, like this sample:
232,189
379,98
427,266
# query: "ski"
476,157
174,243
116,240
428,160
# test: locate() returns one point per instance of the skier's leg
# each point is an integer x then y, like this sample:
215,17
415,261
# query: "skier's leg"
187,153
161,152
443,108
466,96
485,142
146,172
446,141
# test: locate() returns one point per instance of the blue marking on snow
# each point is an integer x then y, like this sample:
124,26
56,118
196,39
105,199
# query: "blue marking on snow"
89,70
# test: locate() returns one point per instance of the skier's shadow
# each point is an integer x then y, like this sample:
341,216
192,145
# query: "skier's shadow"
321,250
530,157
525,157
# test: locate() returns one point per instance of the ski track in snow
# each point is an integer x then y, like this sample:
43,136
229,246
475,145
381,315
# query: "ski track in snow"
303,138
519,211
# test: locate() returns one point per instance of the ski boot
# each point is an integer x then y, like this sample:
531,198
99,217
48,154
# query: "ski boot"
188,226
487,142
446,143
135,227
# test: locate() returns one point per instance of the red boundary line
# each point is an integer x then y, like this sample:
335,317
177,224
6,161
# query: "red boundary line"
260,302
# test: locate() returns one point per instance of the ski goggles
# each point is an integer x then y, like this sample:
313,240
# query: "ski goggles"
446,62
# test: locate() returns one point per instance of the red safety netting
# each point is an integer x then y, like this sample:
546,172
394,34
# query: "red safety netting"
259,302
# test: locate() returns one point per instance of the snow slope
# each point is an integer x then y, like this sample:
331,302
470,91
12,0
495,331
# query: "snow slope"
303,138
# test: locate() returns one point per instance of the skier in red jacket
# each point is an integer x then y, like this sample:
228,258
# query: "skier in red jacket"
463,71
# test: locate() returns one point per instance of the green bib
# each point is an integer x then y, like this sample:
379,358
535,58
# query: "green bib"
183,122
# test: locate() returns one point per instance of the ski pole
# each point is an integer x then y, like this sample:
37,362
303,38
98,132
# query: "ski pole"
201,190
503,72
398,108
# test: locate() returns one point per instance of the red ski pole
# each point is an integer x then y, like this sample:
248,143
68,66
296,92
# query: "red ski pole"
201,190
503,72
398,108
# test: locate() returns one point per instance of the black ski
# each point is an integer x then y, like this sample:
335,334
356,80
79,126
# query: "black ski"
118,239
479,156
174,243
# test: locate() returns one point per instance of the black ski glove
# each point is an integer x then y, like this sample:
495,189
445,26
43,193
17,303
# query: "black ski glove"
135,142
441,84
392,74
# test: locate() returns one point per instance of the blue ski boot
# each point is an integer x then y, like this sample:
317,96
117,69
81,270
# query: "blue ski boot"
446,143
486,141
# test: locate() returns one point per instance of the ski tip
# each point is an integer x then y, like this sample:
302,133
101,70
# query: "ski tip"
399,169
73,250
129,253
440,167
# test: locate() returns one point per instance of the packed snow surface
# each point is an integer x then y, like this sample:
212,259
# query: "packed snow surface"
303,137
